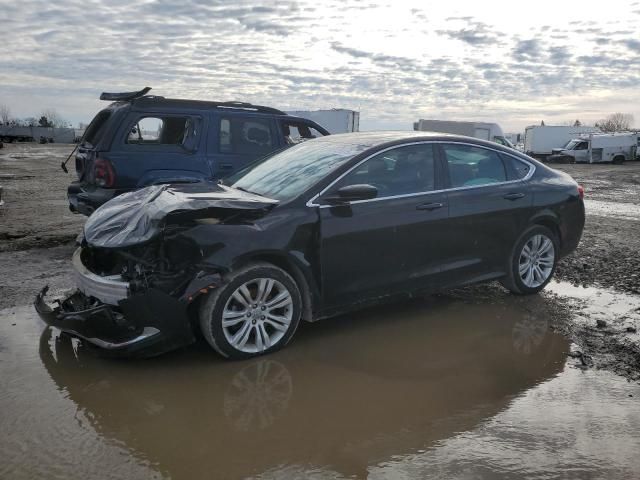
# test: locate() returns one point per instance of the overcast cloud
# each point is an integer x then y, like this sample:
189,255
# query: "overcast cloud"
394,61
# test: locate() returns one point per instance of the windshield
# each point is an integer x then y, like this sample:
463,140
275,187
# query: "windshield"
571,144
503,141
287,174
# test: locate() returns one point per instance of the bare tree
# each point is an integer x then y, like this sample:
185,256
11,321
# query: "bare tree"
5,114
616,122
52,118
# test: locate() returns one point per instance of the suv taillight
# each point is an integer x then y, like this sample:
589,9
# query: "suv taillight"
103,173
581,192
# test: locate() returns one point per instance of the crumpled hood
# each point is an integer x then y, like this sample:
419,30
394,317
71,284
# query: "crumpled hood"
136,217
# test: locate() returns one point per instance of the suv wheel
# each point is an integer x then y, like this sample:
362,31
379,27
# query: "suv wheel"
257,311
532,262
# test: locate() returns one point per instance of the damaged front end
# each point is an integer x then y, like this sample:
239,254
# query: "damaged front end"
137,275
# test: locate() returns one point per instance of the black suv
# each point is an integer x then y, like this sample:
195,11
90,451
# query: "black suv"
141,140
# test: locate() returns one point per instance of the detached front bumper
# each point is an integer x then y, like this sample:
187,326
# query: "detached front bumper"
146,324
104,313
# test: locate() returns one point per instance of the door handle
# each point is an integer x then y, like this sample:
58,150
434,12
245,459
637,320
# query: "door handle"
430,206
513,196
226,166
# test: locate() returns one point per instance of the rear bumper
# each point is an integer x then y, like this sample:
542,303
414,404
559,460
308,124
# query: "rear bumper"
85,199
144,325
571,229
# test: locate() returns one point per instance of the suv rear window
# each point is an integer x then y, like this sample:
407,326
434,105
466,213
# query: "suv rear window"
96,128
159,131
246,136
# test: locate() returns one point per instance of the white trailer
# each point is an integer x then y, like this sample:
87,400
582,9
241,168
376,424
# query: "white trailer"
482,130
540,140
599,148
337,120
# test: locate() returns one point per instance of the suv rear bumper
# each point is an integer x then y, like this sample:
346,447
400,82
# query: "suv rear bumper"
85,199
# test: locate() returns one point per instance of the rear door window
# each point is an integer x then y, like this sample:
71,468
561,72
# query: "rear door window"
160,130
473,166
296,132
516,170
246,136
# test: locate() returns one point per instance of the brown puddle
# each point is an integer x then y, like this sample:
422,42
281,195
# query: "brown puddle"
354,396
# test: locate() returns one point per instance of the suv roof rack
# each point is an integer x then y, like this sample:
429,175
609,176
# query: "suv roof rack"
124,96
249,106
209,104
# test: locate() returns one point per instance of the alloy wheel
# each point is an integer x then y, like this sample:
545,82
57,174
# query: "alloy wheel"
536,261
257,315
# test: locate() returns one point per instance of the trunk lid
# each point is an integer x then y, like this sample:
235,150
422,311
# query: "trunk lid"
137,217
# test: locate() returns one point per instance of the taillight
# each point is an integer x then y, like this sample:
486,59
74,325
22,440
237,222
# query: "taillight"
581,192
103,173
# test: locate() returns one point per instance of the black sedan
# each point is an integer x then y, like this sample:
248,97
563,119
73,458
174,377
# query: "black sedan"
327,226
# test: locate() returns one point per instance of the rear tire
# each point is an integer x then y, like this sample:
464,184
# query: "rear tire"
618,160
532,262
255,312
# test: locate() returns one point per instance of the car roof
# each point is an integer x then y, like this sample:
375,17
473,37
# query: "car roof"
380,139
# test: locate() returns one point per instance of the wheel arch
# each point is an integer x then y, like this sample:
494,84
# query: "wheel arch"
550,221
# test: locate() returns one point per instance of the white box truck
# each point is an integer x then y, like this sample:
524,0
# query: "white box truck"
540,140
598,148
337,120
482,130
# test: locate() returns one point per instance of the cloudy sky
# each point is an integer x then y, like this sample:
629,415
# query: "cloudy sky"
515,63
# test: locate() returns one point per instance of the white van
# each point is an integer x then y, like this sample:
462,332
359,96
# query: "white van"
599,148
541,140
482,130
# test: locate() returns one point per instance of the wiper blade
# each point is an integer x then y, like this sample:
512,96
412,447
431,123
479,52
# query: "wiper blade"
245,190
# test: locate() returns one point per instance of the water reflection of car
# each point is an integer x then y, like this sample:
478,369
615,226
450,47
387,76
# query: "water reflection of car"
349,393
326,226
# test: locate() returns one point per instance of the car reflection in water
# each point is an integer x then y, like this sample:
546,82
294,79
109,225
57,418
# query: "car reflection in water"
348,394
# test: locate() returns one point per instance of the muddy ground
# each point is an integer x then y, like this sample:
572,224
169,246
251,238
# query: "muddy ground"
396,391
37,232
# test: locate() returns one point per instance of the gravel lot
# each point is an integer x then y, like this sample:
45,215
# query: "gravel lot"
36,212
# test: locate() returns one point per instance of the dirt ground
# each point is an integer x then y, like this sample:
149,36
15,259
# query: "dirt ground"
608,253
37,232
36,212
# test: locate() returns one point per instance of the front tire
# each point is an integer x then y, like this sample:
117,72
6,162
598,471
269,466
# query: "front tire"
255,312
532,262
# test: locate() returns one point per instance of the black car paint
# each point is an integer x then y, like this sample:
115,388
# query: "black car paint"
138,166
346,256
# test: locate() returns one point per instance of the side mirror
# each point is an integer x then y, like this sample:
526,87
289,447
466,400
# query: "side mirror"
352,193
